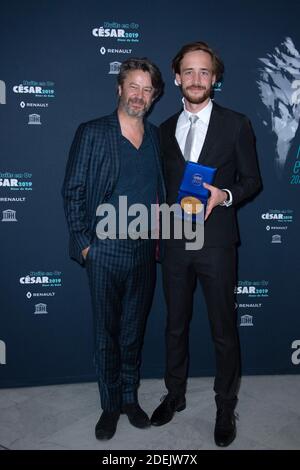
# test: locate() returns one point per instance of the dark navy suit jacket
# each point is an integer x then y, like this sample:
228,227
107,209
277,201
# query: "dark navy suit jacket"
229,146
91,175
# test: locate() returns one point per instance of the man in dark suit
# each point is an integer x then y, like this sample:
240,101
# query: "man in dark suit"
222,139
110,158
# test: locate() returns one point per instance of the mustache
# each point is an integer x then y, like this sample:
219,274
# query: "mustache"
137,101
196,87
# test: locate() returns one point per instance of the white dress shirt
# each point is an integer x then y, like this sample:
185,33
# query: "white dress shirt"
183,125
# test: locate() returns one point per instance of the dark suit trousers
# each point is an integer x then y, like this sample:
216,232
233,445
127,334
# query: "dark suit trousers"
122,277
215,267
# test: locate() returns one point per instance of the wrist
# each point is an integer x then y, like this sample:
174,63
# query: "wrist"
228,200
225,196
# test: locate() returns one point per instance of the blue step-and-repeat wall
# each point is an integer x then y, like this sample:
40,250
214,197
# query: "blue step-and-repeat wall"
58,66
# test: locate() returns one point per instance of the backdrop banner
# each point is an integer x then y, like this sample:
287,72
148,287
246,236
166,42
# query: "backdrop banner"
59,63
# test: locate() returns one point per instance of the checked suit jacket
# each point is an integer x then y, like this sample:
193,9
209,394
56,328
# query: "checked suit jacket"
91,175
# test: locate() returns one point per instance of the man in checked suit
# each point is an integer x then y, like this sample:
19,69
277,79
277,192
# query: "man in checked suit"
222,139
110,157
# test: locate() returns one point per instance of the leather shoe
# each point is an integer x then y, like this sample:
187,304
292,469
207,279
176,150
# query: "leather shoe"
225,428
107,425
165,411
137,417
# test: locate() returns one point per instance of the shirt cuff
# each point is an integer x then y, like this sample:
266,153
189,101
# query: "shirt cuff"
228,202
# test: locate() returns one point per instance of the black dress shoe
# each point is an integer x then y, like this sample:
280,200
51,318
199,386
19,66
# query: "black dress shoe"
165,411
137,417
107,425
225,428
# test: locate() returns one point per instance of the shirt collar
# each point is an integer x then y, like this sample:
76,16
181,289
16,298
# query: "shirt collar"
203,114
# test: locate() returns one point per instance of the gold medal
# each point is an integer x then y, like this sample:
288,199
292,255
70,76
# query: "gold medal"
191,205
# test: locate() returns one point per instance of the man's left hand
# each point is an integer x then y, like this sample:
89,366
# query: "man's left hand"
217,196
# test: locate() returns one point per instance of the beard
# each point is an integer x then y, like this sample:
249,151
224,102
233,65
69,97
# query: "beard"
131,111
193,98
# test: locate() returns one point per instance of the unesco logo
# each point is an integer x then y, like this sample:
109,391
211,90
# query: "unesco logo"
197,179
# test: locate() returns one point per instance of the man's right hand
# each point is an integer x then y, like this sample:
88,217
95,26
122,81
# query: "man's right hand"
85,252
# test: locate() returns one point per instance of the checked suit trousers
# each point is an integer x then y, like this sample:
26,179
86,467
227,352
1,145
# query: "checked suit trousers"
121,276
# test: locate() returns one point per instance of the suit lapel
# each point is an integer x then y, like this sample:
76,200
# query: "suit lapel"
211,139
175,149
155,145
112,142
